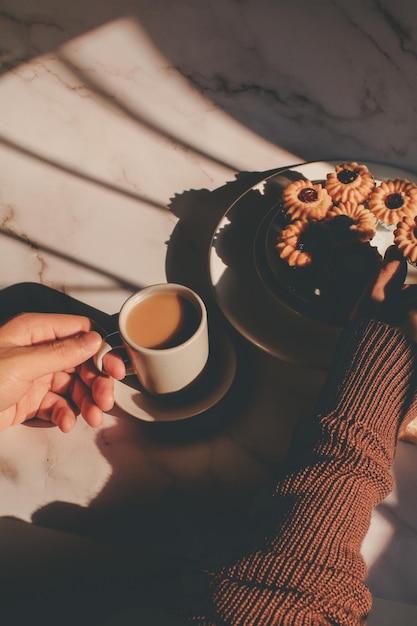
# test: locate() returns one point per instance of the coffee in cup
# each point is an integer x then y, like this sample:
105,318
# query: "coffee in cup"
162,320
163,329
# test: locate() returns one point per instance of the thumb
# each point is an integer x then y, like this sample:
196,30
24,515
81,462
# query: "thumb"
389,282
379,298
63,354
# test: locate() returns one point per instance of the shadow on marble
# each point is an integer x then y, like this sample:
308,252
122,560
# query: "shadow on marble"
345,92
186,509
128,111
199,212
179,492
58,254
77,173
145,535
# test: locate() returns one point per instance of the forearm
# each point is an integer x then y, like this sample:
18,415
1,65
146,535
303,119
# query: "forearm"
310,570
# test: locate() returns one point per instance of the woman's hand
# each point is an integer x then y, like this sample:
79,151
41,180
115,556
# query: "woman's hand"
46,371
388,298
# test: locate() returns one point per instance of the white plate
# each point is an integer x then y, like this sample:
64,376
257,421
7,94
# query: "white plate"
211,387
259,314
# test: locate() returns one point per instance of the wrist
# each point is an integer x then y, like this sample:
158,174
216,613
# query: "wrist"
371,380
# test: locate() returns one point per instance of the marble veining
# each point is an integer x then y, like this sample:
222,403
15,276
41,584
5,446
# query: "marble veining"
126,130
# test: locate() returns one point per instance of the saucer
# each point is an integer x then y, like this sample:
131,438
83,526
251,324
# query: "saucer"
263,310
207,391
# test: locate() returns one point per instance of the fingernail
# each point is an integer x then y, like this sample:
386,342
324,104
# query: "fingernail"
90,341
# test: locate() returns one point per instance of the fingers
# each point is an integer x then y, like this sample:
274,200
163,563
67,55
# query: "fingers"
58,410
92,392
113,365
89,400
63,410
91,408
100,392
50,357
51,342
389,281
380,299
33,328
391,276
101,385
39,360
82,391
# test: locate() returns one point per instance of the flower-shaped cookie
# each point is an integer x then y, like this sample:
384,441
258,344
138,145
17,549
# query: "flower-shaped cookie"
350,182
393,200
290,245
304,200
405,238
360,221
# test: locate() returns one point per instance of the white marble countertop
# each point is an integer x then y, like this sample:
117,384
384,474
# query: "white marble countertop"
126,129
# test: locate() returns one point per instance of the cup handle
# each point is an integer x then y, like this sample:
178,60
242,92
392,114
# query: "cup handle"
98,357
107,345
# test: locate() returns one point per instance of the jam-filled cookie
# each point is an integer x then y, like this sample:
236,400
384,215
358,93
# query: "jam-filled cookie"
393,200
405,238
350,182
304,200
357,220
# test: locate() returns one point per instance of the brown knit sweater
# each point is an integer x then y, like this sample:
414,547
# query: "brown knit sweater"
309,569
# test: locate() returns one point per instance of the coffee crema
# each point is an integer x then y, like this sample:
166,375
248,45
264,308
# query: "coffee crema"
162,320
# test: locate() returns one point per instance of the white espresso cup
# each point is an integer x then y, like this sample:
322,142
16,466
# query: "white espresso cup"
163,329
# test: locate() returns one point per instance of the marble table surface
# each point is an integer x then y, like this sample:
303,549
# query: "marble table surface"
126,131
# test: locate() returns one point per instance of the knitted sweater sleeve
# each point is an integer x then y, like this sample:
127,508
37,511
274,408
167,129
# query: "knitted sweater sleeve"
309,570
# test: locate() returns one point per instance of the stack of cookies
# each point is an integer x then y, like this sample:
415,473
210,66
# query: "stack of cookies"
349,204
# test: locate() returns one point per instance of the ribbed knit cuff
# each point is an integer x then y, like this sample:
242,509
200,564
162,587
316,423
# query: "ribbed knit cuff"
373,379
